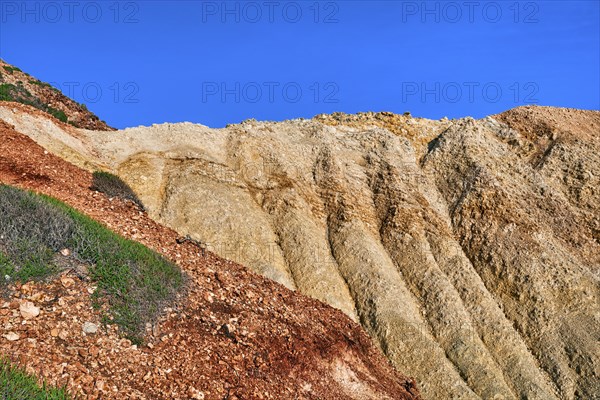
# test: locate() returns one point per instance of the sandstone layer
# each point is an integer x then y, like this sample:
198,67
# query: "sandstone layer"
232,334
468,249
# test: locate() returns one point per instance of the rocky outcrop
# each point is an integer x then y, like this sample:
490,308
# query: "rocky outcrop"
20,87
231,334
467,248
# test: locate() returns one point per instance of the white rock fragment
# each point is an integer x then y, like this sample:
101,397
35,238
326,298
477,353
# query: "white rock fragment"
89,328
29,310
11,336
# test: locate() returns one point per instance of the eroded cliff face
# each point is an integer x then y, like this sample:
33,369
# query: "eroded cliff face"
468,249
230,334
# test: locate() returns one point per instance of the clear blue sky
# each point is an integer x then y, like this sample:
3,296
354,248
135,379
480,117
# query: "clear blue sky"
143,62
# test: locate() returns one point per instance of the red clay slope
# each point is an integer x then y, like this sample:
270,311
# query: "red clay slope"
235,336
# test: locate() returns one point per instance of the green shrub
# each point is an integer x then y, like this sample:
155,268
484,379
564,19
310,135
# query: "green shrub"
10,69
19,94
16,384
6,92
133,280
113,186
58,114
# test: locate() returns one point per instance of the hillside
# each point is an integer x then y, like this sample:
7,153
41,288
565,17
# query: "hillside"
229,334
19,86
467,249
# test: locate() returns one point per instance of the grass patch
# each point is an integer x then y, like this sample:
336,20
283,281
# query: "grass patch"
58,114
113,186
134,281
19,94
40,83
10,69
16,384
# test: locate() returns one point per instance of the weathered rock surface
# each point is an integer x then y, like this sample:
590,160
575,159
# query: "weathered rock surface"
231,334
469,249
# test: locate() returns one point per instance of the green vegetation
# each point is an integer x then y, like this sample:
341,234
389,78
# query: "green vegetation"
16,384
134,281
40,83
19,94
7,90
10,69
113,186
58,114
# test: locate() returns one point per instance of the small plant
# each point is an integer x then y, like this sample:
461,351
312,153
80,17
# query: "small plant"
16,384
58,114
113,186
6,92
134,281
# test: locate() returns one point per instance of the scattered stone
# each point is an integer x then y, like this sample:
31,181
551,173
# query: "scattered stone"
36,296
195,393
209,297
94,351
65,252
29,310
27,287
89,328
66,281
12,336
54,332
228,329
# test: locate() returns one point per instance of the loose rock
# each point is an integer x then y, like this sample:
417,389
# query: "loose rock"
29,310
89,328
12,336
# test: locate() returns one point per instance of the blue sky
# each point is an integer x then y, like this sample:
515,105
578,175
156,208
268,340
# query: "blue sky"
214,62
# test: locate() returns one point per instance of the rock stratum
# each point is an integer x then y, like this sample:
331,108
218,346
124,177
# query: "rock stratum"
468,249
231,334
